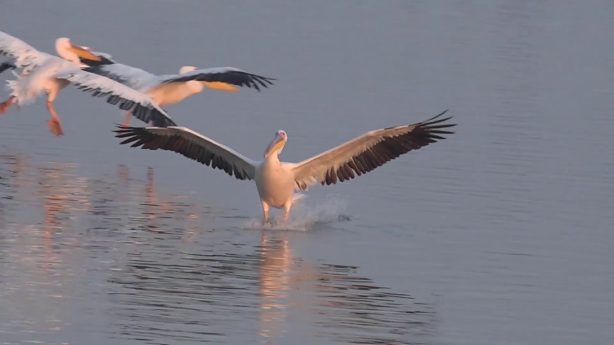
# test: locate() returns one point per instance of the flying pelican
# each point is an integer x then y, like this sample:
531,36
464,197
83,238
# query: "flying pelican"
44,73
278,181
174,88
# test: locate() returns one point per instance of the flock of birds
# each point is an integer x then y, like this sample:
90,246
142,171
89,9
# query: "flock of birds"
143,95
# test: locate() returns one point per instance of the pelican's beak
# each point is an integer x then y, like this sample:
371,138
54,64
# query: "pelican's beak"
220,86
276,145
84,53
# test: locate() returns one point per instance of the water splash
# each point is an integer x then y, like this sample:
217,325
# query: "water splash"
305,215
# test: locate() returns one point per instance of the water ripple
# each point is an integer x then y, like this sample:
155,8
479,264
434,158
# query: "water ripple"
193,296
150,262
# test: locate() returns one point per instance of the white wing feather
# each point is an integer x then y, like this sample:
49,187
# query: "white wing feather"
22,54
133,77
192,145
369,151
139,104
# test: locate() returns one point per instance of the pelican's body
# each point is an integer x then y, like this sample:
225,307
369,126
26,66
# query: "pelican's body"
276,184
41,80
278,181
172,93
42,73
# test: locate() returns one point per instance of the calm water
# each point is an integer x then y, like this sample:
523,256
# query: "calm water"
500,235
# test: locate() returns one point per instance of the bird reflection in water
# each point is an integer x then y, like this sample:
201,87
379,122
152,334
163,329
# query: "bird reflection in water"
12,182
154,206
128,203
64,231
162,211
180,284
70,202
220,289
42,201
340,304
275,283
63,193
54,188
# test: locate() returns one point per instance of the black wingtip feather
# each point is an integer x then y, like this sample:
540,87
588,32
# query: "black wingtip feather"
171,141
234,77
389,148
6,65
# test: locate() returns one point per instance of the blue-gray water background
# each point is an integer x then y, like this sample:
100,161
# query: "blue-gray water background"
501,234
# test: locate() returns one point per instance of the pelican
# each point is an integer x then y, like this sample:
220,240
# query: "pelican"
44,73
170,89
278,181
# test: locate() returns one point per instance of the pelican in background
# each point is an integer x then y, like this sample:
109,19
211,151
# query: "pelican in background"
174,88
45,73
278,181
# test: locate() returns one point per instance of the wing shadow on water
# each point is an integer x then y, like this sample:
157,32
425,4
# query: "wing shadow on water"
237,292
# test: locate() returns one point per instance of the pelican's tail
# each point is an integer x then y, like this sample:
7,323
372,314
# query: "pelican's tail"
21,90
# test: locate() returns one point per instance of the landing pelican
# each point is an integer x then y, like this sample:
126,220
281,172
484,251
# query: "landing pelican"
44,73
174,88
278,181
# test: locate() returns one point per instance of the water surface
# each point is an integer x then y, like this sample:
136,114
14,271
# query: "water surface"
499,235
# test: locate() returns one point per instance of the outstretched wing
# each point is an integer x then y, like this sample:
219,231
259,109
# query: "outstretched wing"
139,104
192,145
133,77
18,53
228,75
369,151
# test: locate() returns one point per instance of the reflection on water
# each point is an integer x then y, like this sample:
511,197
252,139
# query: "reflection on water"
60,232
276,261
344,306
224,292
113,257
505,227
355,310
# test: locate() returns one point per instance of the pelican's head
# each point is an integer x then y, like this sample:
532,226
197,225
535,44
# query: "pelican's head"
278,143
187,69
74,53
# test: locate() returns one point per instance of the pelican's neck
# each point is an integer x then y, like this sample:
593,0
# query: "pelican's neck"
62,47
271,154
272,158
275,147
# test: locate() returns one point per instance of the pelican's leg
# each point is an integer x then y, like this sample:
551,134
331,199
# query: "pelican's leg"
55,125
4,106
287,208
127,119
265,212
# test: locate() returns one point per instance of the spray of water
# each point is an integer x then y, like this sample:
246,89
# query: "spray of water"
306,215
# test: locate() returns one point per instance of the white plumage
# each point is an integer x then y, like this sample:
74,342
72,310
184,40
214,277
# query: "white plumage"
18,53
